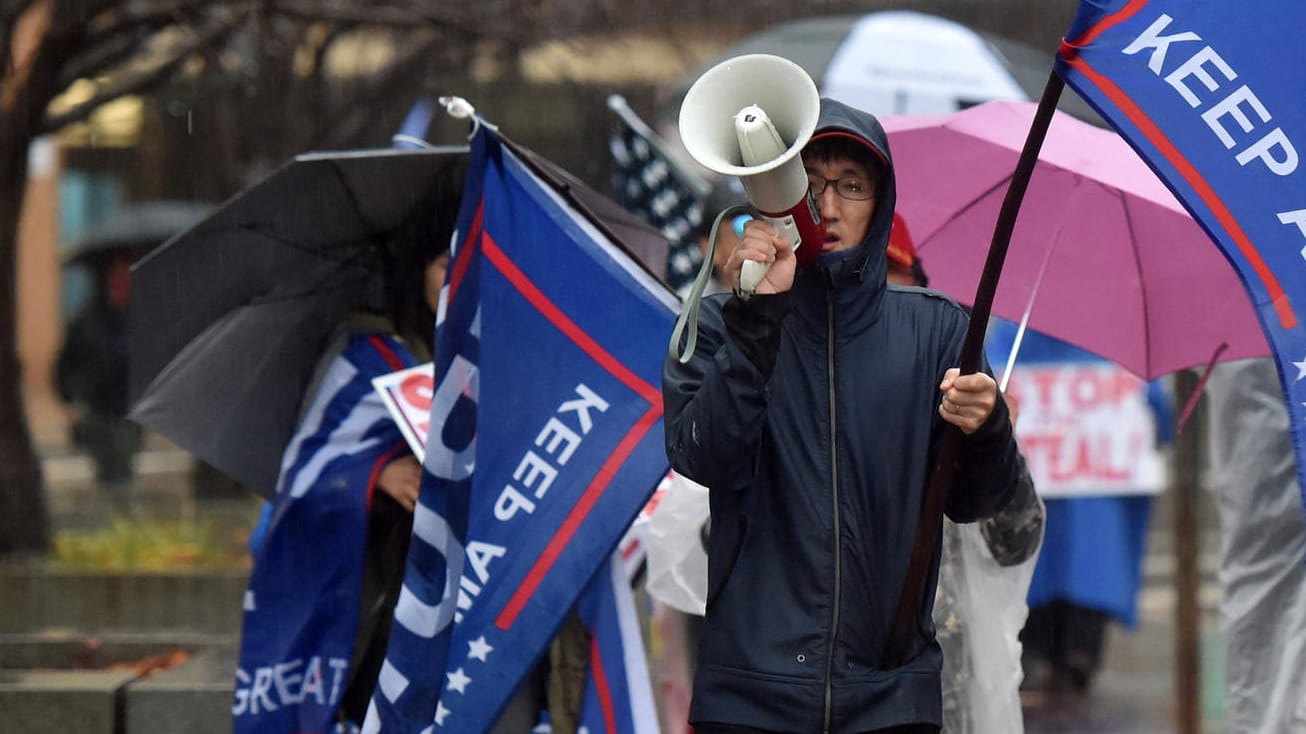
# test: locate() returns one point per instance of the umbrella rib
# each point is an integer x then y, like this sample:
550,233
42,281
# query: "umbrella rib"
325,283
317,288
925,240
269,234
1142,284
350,196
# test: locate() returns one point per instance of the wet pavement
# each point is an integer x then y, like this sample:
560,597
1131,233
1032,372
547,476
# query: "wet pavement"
1134,691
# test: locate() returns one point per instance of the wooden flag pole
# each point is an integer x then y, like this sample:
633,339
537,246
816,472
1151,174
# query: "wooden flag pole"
927,532
1187,579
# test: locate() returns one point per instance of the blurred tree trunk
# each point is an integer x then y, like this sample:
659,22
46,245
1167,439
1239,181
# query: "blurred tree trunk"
24,523
27,84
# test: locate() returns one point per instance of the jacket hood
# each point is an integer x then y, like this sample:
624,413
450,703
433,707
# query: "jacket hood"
867,260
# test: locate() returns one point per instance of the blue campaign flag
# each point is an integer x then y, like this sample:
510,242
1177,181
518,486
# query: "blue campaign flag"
1212,94
302,605
545,441
618,695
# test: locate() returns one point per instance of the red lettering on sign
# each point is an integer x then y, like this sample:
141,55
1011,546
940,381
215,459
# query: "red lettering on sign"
1126,386
1044,381
1085,390
417,390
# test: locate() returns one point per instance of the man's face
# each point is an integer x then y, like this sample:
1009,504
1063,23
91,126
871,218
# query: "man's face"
846,221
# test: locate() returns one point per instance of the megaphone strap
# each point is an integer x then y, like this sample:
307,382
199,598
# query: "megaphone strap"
687,321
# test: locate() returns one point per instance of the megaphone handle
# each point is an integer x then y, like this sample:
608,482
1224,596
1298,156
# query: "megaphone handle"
750,275
753,272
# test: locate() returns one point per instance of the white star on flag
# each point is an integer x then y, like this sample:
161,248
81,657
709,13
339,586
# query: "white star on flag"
458,681
441,713
480,649
1301,368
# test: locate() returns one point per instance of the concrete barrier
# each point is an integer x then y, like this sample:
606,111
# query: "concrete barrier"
34,597
53,682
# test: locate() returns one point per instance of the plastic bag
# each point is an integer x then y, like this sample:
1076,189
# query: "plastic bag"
978,617
677,560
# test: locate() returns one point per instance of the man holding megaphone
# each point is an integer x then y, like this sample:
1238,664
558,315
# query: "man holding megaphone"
810,406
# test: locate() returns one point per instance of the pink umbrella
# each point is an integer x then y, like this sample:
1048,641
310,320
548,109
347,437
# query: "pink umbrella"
1131,276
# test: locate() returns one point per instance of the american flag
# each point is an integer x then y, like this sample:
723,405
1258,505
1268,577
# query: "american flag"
648,181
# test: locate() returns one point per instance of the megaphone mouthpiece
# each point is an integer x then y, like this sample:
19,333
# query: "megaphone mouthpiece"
759,141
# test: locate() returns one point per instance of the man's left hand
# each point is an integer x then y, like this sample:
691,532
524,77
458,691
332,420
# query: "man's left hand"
968,400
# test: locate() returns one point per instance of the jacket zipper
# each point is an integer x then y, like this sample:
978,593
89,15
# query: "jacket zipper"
834,491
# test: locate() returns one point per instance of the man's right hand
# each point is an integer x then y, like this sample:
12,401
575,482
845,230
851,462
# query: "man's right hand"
761,244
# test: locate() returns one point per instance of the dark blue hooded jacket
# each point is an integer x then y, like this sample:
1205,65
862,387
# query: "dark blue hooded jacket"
812,417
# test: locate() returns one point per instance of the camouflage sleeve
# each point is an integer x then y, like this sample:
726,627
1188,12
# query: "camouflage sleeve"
1016,531
569,664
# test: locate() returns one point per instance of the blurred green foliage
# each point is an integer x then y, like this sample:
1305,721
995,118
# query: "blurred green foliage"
152,545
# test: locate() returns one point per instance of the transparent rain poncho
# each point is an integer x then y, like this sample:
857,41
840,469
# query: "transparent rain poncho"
979,610
1262,550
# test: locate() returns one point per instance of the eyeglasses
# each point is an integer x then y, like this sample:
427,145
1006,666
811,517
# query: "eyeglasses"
853,188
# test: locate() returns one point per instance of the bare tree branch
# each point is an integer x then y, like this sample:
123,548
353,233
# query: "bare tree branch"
104,53
152,15
409,17
10,12
354,114
114,30
131,82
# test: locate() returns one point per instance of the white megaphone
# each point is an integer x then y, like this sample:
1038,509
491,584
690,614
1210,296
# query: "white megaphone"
750,117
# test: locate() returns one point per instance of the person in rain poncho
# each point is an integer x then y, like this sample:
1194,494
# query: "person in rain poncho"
1262,544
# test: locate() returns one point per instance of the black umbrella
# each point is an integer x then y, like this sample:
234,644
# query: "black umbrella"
230,318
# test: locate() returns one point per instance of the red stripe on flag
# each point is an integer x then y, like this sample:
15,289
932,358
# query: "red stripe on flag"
577,516
1150,130
564,324
1102,26
602,688
386,352
465,251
